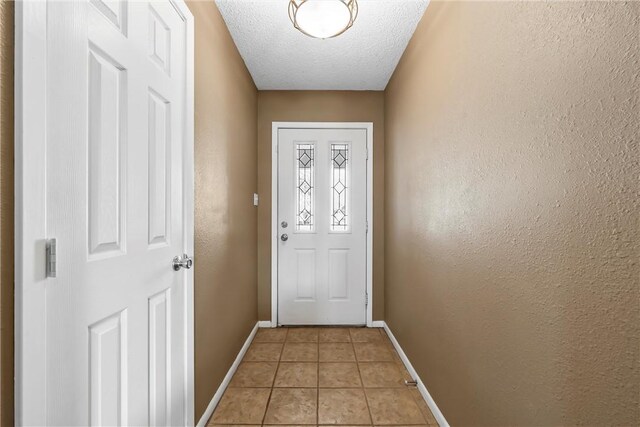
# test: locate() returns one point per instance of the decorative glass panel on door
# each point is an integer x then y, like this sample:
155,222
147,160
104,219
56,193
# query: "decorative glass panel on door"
339,187
304,187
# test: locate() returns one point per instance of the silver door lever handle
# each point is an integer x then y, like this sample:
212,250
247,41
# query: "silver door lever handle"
186,262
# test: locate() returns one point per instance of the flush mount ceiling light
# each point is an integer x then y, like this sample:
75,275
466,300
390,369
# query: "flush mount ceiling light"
323,19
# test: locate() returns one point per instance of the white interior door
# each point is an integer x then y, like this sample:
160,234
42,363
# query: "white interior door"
322,226
116,319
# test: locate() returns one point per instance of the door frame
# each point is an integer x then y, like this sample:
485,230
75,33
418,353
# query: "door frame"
30,209
275,127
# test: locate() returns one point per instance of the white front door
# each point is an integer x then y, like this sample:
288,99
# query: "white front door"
322,226
116,323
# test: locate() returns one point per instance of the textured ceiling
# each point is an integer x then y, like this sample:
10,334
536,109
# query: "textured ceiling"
280,57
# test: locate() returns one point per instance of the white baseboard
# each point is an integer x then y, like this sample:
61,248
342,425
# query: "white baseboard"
442,422
265,324
377,324
227,379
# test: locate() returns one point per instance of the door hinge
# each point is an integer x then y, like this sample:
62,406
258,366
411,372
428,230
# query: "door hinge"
366,299
367,227
367,151
51,258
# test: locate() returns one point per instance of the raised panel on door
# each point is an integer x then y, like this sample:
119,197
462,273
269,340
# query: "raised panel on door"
159,128
159,40
305,274
108,377
338,282
107,154
115,11
160,359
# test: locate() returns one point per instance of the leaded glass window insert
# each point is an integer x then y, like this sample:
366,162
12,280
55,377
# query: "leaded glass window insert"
304,187
339,187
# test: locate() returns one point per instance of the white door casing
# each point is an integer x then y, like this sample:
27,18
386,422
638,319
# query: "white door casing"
322,204
104,164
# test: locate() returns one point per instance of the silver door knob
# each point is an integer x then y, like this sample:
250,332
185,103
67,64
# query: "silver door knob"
284,237
185,262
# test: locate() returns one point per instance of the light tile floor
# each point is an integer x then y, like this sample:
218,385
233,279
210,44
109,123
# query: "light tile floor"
321,376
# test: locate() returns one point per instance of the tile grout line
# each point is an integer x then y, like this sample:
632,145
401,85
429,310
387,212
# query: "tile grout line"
273,382
364,392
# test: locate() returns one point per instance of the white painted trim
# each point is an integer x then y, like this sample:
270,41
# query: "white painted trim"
227,379
368,126
274,224
30,208
377,324
442,422
265,324
188,191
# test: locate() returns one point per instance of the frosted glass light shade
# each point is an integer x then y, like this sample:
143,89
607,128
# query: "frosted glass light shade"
323,19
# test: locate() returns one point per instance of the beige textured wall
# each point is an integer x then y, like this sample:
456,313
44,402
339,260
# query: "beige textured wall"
512,232
225,253
6,212
318,106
